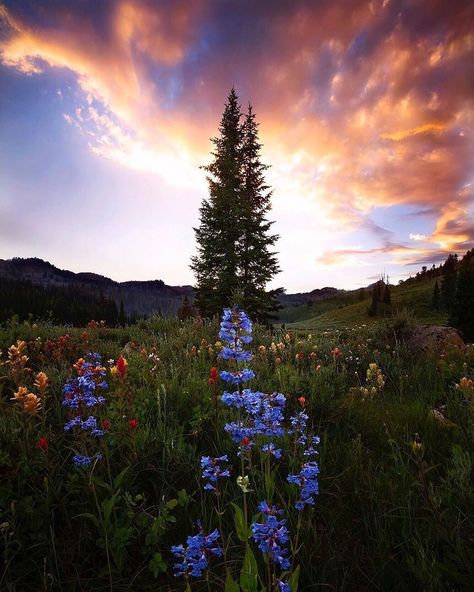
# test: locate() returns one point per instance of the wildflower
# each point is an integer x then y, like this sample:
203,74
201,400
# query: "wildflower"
336,352
83,461
302,401
88,425
236,328
30,402
41,383
192,559
271,535
243,482
238,377
272,450
122,366
133,423
283,586
307,482
313,355
212,470
42,444
106,424
213,375
246,441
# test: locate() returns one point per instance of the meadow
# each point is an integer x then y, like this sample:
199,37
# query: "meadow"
105,503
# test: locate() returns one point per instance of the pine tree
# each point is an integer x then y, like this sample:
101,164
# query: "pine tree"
257,263
448,284
373,308
186,310
387,298
216,264
122,319
463,312
234,244
436,299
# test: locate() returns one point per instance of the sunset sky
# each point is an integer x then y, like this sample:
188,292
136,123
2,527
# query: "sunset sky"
366,113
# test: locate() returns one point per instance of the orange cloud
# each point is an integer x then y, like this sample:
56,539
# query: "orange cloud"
359,108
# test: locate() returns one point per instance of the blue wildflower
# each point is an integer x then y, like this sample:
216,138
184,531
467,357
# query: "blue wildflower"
83,461
283,586
212,470
270,449
307,482
237,377
192,559
271,535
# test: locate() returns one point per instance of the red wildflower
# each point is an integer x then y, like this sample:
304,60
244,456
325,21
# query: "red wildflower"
133,424
302,401
42,443
122,366
245,441
336,352
106,424
213,375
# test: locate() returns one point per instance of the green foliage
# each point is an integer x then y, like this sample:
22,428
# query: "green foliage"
462,315
448,284
395,507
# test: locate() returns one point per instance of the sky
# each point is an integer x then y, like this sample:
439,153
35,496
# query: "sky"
366,110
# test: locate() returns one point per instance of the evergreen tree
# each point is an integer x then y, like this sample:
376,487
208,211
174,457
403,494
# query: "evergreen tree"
234,244
186,310
257,263
122,319
373,308
436,300
463,312
448,284
387,298
216,264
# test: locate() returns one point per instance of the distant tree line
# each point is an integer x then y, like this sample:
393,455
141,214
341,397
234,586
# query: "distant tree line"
456,293
60,304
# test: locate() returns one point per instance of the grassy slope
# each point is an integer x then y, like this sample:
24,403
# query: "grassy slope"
334,313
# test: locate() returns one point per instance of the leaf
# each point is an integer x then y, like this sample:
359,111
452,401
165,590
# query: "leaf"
240,526
108,506
294,579
248,574
230,584
172,503
91,517
119,478
101,483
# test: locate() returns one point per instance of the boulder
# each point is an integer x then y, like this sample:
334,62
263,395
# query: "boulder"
434,338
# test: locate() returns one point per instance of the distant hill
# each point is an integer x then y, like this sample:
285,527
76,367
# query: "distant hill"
347,309
139,298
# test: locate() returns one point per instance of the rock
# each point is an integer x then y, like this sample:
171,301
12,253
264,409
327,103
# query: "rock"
434,338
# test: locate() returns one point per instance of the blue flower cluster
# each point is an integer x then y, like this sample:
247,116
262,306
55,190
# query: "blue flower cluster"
83,461
89,425
236,328
192,559
82,393
272,535
307,482
212,470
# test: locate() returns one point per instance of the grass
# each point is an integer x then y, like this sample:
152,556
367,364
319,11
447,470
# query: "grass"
396,500
345,310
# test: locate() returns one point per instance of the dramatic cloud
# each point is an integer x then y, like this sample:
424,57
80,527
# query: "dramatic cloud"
365,106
